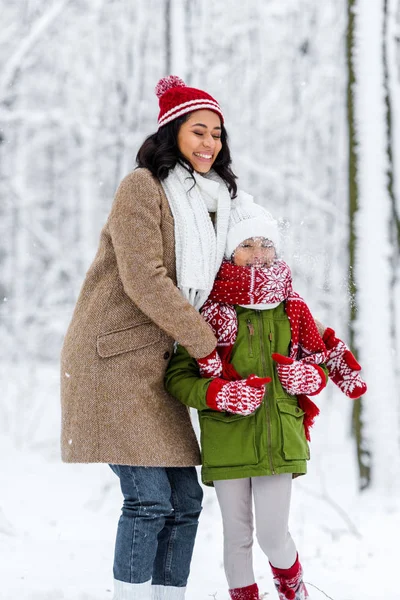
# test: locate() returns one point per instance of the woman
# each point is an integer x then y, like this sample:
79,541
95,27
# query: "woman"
158,256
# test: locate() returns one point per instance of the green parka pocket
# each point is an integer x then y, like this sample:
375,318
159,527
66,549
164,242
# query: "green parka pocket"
228,440
295,446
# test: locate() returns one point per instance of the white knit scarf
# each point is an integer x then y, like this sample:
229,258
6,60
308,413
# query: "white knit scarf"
199,248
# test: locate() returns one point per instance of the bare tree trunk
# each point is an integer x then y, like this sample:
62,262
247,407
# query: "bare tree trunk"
363,452
373,246
391,65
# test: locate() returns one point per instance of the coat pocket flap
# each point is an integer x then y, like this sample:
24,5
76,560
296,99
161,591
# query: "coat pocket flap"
127,339
226,417
290,409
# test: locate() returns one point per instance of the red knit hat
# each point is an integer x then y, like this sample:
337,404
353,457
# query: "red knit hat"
176,99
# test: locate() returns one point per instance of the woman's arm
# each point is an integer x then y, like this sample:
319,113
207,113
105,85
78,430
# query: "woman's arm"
135,228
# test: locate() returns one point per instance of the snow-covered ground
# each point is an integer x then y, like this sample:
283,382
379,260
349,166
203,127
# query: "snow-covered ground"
58,522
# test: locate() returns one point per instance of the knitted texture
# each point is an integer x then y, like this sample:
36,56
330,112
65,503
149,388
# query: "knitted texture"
238,397
250,592
177,99
131,591
252,285
247,221
211,365
311,411
167,592
246,285
289,582
258,285
343,368
199,248
297,377
243,286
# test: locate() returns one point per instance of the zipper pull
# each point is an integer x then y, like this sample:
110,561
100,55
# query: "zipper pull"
270,336
250,327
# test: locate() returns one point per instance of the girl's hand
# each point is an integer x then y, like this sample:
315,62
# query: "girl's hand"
298,377
241,397
343,367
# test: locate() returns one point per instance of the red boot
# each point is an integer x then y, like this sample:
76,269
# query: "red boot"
289,582
250,592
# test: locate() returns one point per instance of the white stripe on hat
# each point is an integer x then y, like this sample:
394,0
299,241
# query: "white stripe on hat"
186,107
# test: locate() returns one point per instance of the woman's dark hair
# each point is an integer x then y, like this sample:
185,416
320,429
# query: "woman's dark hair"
160,153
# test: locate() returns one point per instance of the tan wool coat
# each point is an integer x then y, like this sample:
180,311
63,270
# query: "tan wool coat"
128,314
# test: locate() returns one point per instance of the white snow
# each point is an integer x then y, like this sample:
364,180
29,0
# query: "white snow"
58,523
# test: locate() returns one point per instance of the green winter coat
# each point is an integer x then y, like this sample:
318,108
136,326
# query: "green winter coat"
269,441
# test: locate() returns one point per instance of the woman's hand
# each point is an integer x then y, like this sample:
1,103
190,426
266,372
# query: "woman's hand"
241,397
298,377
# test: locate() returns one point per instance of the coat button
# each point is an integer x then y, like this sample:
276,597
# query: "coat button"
297,409
166,355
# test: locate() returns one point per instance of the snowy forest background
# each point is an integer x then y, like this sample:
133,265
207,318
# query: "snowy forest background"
311,96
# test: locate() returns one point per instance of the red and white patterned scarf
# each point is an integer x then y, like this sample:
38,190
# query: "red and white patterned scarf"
259,285
263,286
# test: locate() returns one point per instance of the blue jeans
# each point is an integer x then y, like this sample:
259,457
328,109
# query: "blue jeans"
158,525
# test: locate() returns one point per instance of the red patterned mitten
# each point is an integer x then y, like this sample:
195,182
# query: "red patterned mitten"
241,397
298,377
343,368
211,365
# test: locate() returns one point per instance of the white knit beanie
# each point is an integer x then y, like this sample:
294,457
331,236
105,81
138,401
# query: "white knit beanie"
249,220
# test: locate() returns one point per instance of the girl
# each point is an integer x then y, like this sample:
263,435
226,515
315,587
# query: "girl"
158,256
253,446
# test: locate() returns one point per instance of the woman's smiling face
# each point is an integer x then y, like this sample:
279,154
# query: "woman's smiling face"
199,139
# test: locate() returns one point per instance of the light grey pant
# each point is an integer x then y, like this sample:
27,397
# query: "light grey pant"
271,496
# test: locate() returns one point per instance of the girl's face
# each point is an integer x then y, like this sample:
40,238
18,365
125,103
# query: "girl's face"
254,252
199,139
